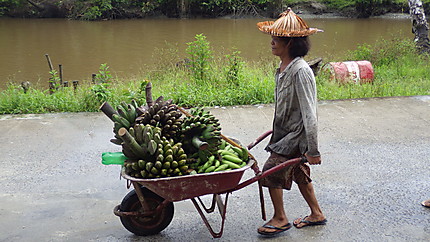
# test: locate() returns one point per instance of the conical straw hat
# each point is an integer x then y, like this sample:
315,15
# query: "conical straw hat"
287,25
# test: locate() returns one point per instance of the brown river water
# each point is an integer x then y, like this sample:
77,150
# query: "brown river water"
129,47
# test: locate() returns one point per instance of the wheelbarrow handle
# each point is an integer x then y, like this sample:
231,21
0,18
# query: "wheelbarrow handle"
272,170
259,139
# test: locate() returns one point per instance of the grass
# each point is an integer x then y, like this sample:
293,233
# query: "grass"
229,80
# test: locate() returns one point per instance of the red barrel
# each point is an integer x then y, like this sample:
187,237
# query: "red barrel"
351,71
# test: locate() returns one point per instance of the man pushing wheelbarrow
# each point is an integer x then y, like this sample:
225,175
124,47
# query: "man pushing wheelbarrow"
168,158
295,122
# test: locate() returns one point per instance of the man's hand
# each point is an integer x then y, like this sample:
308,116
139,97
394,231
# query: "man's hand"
313,160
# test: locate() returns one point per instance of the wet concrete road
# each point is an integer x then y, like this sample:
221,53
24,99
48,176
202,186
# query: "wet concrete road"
374,174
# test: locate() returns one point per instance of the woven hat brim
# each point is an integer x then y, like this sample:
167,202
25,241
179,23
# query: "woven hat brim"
266,27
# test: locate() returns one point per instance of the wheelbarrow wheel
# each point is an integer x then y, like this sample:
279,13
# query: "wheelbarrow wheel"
146,225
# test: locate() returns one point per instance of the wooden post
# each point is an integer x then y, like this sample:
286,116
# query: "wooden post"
75,84
25,85
93,78
60,69
49,62
420,26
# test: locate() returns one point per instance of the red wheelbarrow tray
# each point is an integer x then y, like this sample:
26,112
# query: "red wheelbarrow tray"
180,188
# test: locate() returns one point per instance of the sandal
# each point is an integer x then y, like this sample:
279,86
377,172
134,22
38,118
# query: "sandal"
277,230
309,223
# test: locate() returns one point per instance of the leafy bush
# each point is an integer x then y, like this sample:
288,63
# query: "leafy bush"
200,54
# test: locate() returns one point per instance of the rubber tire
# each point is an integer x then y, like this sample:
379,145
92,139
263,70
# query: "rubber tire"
142,226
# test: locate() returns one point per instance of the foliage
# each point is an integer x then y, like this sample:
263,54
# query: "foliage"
384,51
234,66
102,83
104,75
200,54
8,5
54,80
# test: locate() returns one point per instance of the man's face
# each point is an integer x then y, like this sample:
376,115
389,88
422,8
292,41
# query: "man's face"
279,47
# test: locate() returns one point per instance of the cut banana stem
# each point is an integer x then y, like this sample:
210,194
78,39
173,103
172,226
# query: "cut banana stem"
131,142
201,145
107,109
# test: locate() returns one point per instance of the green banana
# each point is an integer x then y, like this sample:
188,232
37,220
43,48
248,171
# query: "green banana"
152,147
226,152
238,151
182,162
124,122
149,166
132,132
131,113
183,169
168,158
169,152
138,133
230,164
221,167
134,103
155,171
245,154
141,164
210,169
166,165
231,158
158,164
163,172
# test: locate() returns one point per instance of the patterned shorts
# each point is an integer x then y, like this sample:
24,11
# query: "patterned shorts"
283,178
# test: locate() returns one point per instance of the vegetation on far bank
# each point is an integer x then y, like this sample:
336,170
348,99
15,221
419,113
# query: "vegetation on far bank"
208,80
119,9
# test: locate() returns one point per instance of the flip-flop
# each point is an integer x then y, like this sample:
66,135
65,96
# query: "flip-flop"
277,230
426,203
310,223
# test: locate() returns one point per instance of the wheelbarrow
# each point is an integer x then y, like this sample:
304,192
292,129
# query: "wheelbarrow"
149,209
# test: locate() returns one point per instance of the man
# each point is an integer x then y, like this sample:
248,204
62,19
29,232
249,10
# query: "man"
295,122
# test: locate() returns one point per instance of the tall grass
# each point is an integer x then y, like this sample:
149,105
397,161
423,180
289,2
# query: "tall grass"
398,70
227,80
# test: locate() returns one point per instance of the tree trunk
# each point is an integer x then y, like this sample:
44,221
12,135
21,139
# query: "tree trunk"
183,8
420,26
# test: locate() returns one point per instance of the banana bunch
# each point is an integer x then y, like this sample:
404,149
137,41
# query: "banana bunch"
126,117
161,114
229,157
157,156
201,133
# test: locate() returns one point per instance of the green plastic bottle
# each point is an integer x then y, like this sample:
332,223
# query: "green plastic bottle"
113,158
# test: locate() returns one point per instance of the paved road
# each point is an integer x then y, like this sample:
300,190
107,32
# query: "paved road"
375,172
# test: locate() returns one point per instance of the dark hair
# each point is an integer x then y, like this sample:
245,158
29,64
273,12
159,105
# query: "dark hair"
299,46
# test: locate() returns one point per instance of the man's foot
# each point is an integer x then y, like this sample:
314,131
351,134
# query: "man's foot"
274,227
274,230
426,203
308,221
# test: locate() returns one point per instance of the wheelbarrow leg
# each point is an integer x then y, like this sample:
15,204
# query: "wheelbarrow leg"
263,208
141,197
222,209
212,207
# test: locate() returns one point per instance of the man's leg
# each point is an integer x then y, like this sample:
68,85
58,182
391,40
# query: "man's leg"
279,218
308,193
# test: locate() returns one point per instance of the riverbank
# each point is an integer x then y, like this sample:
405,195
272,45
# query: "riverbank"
226,81
108,10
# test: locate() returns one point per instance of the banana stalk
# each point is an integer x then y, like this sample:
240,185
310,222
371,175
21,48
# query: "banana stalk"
131,142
